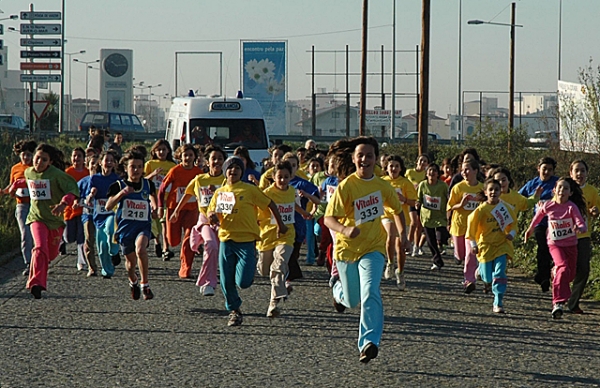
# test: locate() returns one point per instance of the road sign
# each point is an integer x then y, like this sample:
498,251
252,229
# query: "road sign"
41,78
40,42
41,29
1,29
1,44
39,108
1,59
40,15
39,66
40,54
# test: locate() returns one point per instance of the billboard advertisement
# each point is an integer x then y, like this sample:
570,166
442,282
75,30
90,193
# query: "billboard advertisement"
264,75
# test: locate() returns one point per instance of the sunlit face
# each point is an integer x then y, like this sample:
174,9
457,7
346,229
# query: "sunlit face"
233,174
432,175
276,156
282,179
546,171
188,158
393,169
92,164
162,152
313,168
364,159
310,145
468,158
562,191
41,161
215,162
135,170
294,163
422,163
107,163
447,169
468,173
493,191
119,139
301,155
579,173
77,159
26,157
331,167
504,182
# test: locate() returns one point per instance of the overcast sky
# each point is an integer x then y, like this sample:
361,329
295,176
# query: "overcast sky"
155,29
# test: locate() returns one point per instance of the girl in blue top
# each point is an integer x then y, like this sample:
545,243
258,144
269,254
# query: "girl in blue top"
547,181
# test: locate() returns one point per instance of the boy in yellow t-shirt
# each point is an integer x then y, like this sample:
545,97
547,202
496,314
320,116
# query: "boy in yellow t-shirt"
234,207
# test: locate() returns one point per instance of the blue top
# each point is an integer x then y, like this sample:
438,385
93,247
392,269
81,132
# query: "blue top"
102,183
247,172
529,189
299,221
84,190
134,214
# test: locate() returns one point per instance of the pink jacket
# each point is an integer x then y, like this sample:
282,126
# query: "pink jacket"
564,220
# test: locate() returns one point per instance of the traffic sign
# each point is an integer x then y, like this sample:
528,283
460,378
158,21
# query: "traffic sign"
41,29
1,44
1,29
40,15
41,78
40,42
1,59
39,108
39,66
40,54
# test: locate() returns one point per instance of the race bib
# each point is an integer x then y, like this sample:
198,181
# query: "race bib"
561,229
399,192
432,203
136,210
368,208
21,193
286,210
158,180
39,189
206,195
330,190
502,216
225,202
471,203
181,192
101,207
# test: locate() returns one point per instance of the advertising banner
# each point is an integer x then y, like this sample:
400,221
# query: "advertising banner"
264,74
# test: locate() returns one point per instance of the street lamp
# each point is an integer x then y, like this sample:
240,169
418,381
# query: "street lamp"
512,25
70,95
87,67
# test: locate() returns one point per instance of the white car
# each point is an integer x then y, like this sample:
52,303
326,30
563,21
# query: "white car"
12,122
544,138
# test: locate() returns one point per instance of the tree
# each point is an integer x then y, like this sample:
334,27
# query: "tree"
49,122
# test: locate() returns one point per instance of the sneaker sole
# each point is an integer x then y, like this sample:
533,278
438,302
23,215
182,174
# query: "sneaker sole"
470,288
369,352
557,314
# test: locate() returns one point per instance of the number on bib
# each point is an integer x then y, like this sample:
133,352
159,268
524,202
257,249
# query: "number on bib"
39,189
561,229
286,210
225,202
368,208
432,203
136,210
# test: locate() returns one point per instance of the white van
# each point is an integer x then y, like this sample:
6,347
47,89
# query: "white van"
228,123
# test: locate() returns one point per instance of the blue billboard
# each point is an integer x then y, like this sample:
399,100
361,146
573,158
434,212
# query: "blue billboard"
264,74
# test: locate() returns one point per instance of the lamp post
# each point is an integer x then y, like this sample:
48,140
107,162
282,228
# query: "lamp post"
70,95
512,25
87,67
11,17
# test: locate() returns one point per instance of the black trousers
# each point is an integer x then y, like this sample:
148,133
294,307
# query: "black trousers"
544,259
584,252
433,236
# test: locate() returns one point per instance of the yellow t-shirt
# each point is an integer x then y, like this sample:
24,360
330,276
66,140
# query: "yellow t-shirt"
379,171
360,202
415,177
402,186
458,226
237,206
518,202
267,178
285,201
484,227
590,194
153,164
199,187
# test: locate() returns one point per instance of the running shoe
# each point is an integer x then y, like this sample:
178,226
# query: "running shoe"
273,311
557,311
368,353
207,291
435,267
116,259
389,271
487,288
420,252
135,291
158,250
332,280
289,287
26,271
400,282
36,291
167,255
147,293
235,318
498,310
469,287
340,308
545,285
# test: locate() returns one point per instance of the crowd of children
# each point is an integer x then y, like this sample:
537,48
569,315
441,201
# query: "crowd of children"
358,213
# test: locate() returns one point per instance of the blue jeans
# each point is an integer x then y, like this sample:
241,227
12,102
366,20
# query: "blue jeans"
359,283
310,241
495,272
21,213
237,263
106,246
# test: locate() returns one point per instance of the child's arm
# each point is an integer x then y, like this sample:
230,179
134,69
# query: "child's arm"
180,204
115,199
281,227
306,215
349,231
312,198
579,220
401,226
537,218
67,200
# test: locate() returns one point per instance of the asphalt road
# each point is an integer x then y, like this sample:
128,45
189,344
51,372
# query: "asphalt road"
87,332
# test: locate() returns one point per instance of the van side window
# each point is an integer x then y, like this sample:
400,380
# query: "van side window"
115,120
135,120
125,120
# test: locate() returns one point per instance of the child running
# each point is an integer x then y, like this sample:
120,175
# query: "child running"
175,182
234,207
564,222
355,214
89,230
135,200
72,216
490,228
415,176
432,197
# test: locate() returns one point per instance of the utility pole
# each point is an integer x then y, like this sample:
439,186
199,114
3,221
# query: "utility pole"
363,70
424,100
511,87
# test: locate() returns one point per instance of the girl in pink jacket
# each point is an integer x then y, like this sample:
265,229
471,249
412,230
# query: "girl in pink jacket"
564,222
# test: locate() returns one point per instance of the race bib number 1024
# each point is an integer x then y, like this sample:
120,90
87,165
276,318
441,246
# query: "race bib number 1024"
368,208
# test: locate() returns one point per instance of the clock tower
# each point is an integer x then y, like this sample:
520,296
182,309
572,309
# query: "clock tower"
116,80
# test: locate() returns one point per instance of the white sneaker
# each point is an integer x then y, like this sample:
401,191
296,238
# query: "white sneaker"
207,291
389,271
420,252
82,267
435,268
557,311
498,310
273,311
415,250
400,282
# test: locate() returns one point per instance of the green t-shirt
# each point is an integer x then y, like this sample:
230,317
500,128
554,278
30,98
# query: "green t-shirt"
318,180
46,189
433,201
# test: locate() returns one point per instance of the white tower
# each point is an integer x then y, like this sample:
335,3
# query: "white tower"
116,80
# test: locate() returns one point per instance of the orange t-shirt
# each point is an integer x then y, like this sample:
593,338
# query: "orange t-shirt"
175,183
71,213
18,172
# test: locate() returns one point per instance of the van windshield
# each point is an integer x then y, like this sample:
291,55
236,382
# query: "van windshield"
95,118
229,133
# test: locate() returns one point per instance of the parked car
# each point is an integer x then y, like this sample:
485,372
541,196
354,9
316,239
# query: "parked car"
115,121
414,136
13,122
544,138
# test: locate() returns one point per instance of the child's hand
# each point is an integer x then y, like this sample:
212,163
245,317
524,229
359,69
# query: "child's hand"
465,200
417,205
509,237
127,190
351,231
174,217
213,219
475,250
253,179
57,209
538,192
161,212
527,234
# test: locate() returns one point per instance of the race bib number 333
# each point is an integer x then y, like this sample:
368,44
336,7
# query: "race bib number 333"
368,208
